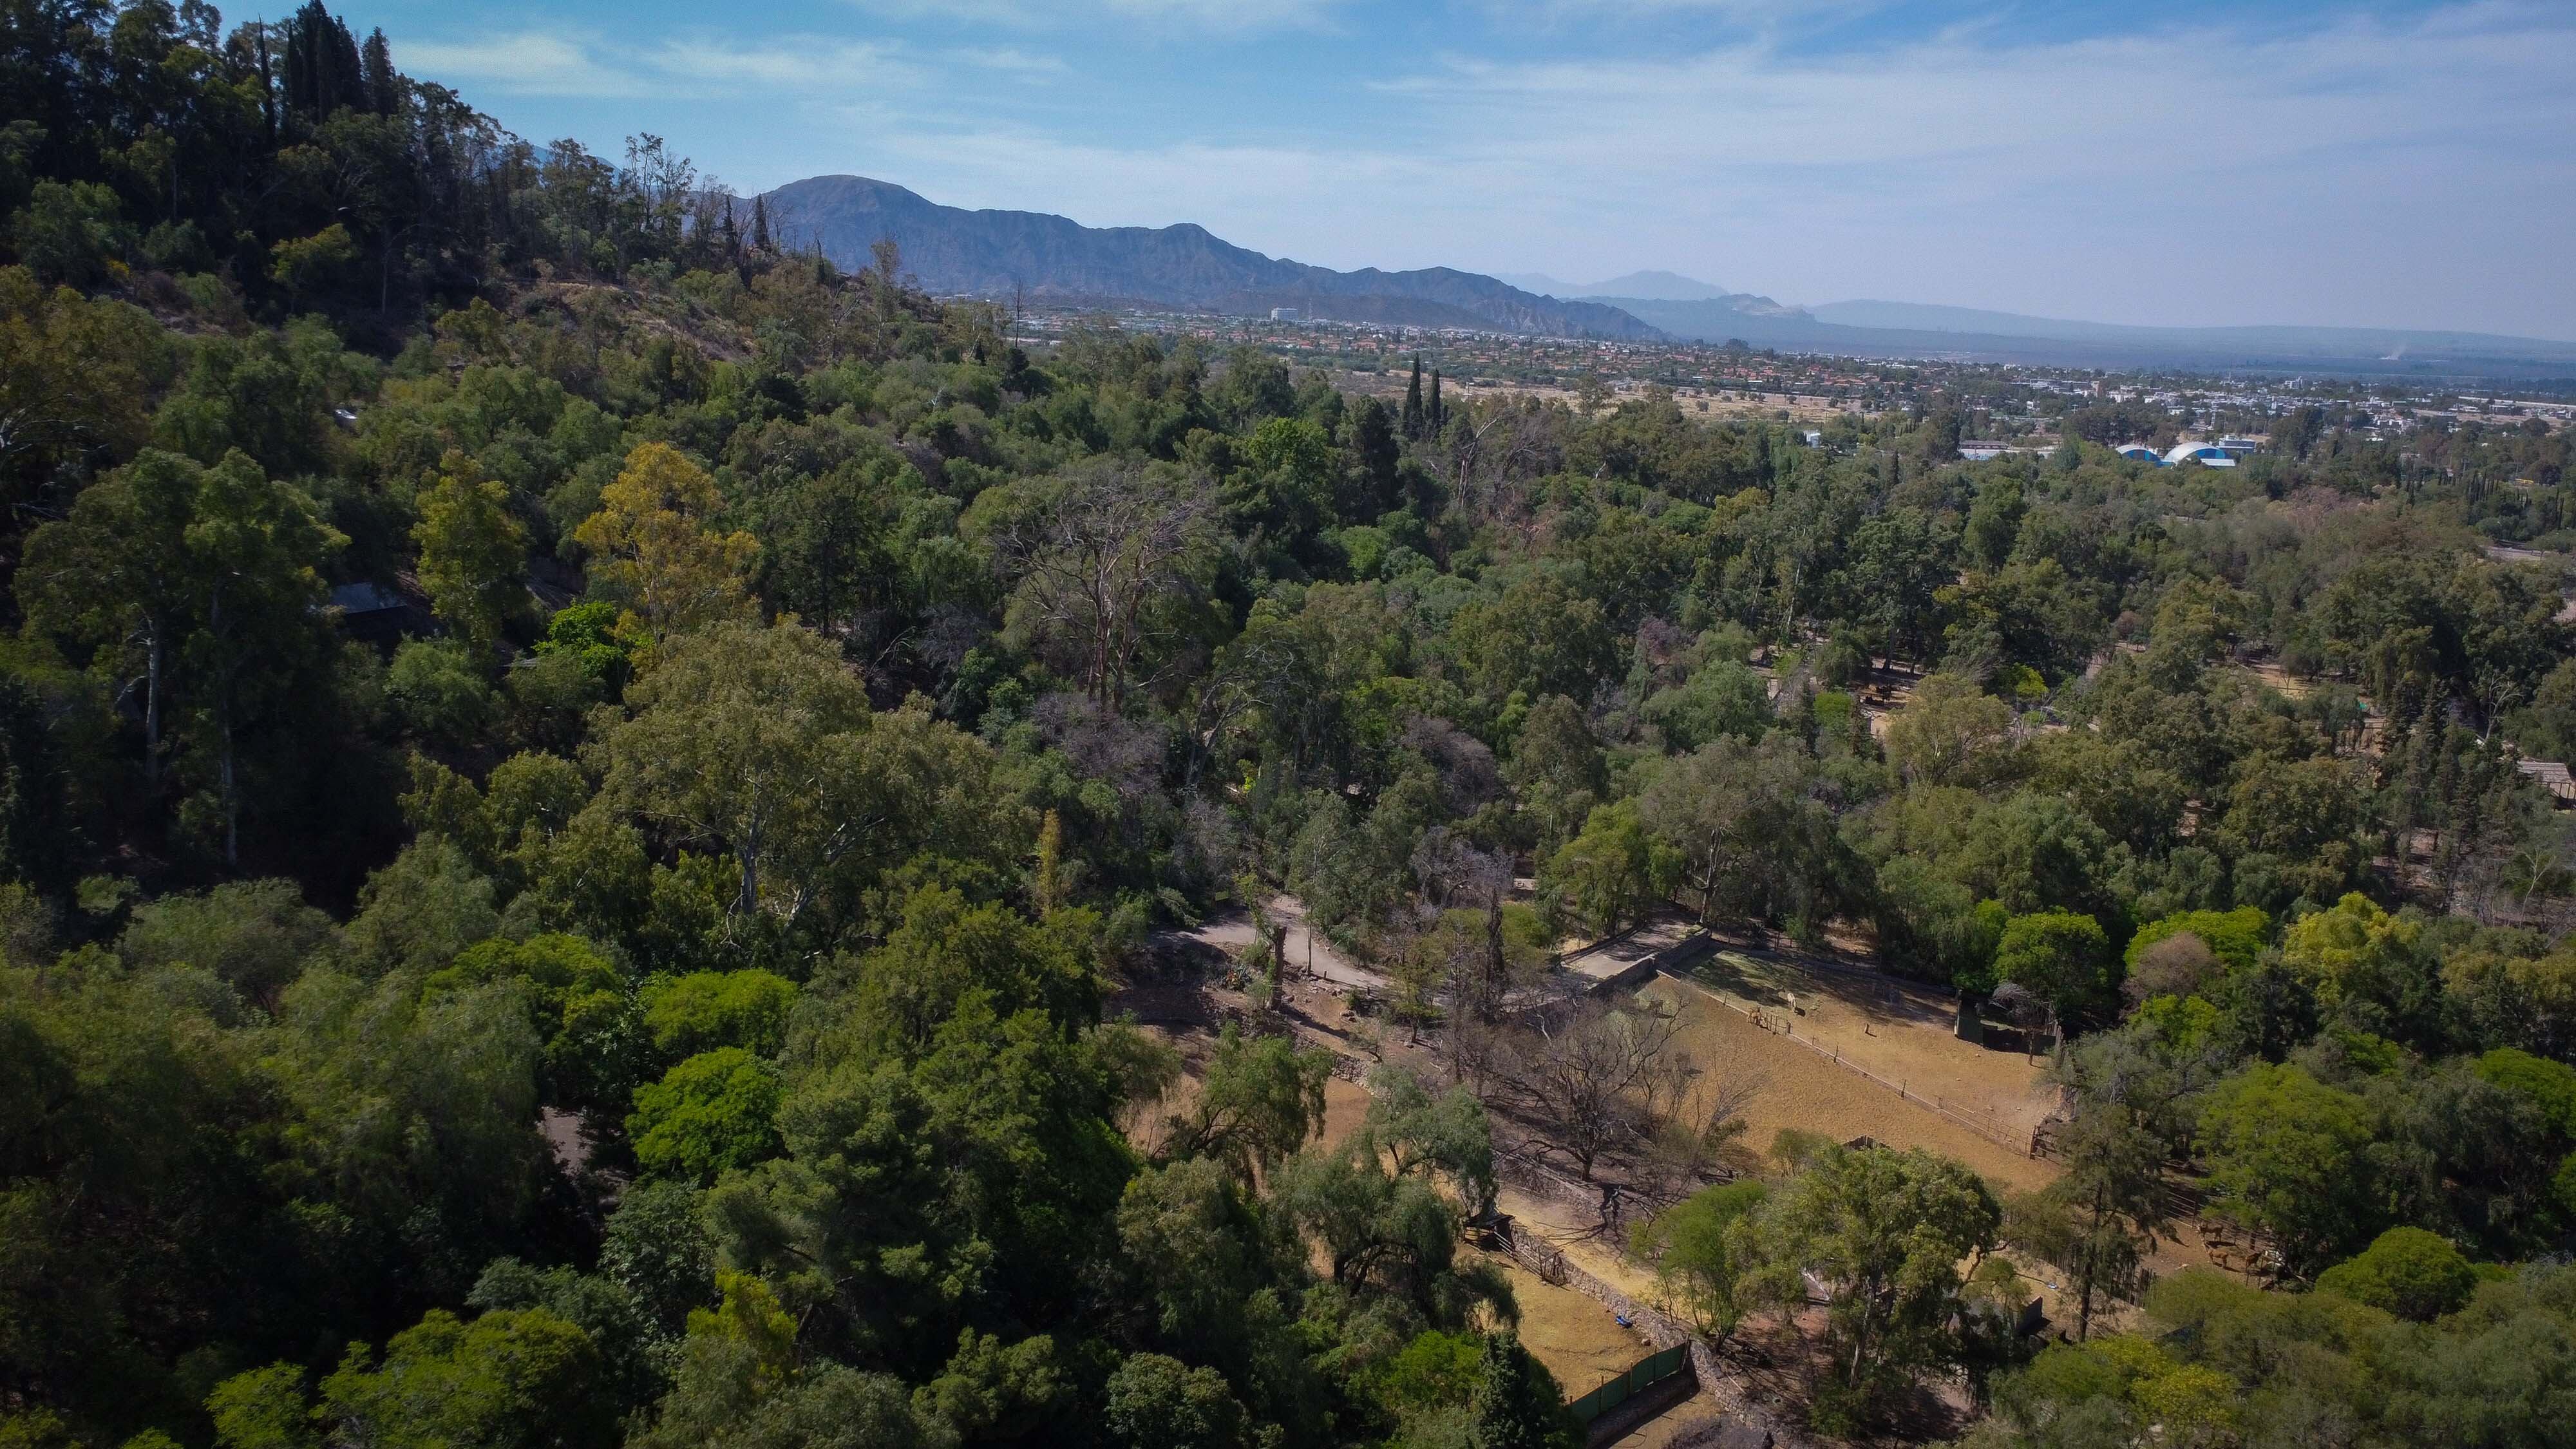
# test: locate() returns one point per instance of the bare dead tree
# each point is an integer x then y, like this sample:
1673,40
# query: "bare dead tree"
1599,1079
1508,443
1455,875
1113,542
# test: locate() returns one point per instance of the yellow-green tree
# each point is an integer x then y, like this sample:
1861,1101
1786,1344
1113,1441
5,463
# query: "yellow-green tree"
657,551
472,552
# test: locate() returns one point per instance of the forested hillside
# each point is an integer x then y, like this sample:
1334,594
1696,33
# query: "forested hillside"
576,782
1018,254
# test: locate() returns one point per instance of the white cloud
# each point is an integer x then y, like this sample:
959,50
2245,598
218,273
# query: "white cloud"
794,65
683,68
1219,16
1017,62
528,63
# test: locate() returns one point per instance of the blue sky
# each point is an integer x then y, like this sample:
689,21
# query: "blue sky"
2402,164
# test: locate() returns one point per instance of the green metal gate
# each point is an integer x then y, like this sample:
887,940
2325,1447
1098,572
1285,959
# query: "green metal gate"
1648,1372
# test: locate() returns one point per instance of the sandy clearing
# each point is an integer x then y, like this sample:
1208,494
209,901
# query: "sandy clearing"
1577,1337
1901,1031
1803,1090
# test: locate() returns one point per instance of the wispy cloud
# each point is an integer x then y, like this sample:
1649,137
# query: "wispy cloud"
1197,16
795,65
526,63
1018,62
679,67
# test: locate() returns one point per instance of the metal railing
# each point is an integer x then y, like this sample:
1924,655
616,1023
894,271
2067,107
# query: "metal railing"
1649,1371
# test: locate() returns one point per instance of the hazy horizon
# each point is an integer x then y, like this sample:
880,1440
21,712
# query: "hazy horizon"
2185,165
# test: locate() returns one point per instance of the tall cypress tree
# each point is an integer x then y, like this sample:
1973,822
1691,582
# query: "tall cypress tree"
1516,1404
323,72
376,74
1413,403
1438,416
760,225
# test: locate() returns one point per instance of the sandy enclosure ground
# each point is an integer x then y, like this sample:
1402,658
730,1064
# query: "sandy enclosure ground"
1578,1338
1798,1088
1898,1030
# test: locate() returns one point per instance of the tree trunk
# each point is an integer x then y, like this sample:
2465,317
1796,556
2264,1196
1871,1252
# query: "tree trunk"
231,801
152,708
748,899
2092,1266
1495,968
1860,1339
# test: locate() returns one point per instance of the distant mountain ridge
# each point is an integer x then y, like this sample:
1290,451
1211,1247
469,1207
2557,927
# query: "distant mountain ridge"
1918,316
1653,286
1916,330
1000,254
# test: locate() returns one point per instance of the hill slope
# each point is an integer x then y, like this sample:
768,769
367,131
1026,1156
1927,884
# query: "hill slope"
995,253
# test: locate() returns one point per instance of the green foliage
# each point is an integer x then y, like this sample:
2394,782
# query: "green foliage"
69,233
715,1111
1698,1252
2407,1271
709,1009
745,842
2551,1086
1261,1100
472,553
519,1378
2286,1154
439,692
586,632
578,1005
2235,937
1888,1230
2060,957
200,584
1156,1401
1609,876
257,936
1517,1404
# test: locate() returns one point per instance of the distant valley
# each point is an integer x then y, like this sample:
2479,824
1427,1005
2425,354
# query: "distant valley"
1052,259
1906,329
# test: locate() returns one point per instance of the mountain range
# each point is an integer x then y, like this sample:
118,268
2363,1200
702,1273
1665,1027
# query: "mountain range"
1002,254
1006,254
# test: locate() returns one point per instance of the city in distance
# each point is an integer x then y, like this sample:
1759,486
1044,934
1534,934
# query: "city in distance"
1144,786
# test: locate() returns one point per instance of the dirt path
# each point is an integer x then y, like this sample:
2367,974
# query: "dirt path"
1307,950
